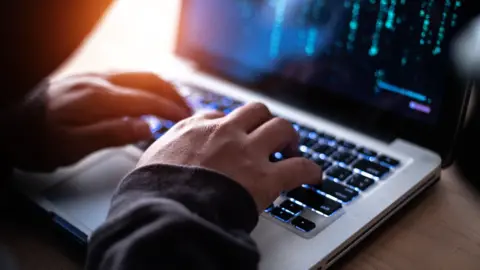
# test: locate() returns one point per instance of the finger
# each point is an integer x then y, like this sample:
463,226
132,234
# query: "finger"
275,135
294,172
127,102
149,82
250,116
113,133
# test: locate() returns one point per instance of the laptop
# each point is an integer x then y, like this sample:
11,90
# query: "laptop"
368,86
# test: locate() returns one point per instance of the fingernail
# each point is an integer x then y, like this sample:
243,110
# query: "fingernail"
142,130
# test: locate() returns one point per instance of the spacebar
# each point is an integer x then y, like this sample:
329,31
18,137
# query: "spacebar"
314,200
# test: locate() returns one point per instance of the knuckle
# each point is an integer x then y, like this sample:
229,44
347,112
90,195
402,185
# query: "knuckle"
81,85
198,129
210,115
96,91
150,75
279,121
259,107
307,166
284,124
227,126
286,127
224,129
184,124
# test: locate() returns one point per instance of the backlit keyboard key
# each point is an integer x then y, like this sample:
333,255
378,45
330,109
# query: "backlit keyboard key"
227,102
306,155
325,164
341,192
339,173
388,161
291,207
276,157
281,214
314,200
308,142
303,224
361,182
326,136
344,157
346,144
366,152
371,168
323,149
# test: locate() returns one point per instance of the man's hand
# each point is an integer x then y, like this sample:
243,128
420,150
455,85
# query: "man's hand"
239,146
89,112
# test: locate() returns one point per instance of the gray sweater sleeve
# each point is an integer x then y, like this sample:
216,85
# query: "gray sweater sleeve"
170,217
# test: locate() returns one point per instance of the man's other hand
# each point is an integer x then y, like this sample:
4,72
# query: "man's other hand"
88,112
239,146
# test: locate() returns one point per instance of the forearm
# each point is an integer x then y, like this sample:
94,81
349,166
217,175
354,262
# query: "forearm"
173,217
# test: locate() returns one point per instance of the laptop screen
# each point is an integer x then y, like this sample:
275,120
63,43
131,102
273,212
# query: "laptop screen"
387,54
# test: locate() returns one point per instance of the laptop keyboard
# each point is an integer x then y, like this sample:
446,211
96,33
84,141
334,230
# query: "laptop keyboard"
349,169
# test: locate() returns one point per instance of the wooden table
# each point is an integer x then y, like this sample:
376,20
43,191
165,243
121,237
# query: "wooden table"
439,230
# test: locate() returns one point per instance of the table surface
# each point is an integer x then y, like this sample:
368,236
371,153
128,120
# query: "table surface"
438,230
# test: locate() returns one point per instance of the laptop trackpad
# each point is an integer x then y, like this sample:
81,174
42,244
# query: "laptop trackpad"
86,196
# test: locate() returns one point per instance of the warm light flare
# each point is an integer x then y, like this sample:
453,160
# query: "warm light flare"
134,34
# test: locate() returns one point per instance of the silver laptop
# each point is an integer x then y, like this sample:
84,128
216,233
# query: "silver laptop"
366,84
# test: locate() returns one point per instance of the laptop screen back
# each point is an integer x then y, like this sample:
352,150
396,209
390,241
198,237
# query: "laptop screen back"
390,55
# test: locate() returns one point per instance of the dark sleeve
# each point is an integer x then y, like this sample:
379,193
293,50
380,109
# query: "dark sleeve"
38,36
21,124
169,217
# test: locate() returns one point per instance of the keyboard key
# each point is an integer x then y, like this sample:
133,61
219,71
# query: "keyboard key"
346,144
361,182
303,148
227,111
313,135
339,191
276,157
157,135
308,142
324,149
366,152
291,207
388,161
371,168
325,164
269,208
227,102
344,157
303,134
339,173
303,224
281,214
326,136
314,200
154,123
306,155
308,131
168,124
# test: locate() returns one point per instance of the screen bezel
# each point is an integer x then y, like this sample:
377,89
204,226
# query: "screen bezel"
439,137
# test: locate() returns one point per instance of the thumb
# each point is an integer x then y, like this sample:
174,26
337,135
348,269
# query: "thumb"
110,133
294,172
